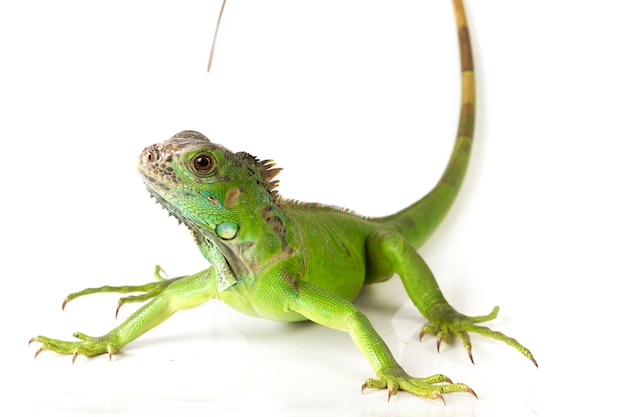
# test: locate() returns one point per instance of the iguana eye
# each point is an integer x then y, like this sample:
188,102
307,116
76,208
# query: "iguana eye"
203,164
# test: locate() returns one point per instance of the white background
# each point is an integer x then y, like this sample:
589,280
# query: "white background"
358,102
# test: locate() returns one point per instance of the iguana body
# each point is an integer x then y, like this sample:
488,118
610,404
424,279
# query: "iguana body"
290,261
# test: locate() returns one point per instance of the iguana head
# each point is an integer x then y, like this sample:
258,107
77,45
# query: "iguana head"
227,199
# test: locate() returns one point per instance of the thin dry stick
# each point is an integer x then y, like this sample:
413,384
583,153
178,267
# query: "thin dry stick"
217,28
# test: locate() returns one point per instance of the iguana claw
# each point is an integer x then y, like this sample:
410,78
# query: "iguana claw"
469,353
38,351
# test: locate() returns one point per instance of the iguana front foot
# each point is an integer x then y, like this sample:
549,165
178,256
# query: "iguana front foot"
87,346
445,322
431,387
165,298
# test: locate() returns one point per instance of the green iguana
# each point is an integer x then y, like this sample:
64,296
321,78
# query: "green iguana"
286,260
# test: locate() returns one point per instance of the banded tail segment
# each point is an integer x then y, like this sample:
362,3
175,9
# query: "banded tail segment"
418,221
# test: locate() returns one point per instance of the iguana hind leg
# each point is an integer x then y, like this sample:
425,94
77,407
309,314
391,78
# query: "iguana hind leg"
149,290
388,253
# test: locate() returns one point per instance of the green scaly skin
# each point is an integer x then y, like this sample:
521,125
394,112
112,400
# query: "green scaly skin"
290,261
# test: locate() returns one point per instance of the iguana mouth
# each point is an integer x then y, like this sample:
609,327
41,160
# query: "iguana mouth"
171,209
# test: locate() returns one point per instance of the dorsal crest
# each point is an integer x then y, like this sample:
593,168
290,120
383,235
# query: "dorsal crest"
266,169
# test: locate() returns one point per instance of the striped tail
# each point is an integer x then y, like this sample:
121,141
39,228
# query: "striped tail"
418,221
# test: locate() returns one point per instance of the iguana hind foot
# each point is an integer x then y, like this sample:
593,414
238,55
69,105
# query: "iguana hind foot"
446,321
149,290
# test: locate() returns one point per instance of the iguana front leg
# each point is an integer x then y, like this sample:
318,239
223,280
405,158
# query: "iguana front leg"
168,297
327,309
389,252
